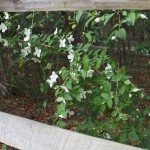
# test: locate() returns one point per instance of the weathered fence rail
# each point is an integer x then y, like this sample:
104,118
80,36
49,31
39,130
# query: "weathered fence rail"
26,134
58,5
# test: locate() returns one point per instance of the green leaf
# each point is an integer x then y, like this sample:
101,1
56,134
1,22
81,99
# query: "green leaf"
114,113
69,84
76,94
107,17
121,33
85,62
109,103
61,107
117,77
89,124
61,124
121,90
97,100
102,109
89,36
105,96
116,101
83,74
103,53
124,13
87,23
67,97
98,63
78,16
123,116
107,86
127,82
133,136
123,138
131,18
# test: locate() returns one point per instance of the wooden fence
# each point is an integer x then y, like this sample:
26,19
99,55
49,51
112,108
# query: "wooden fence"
26,134
58,5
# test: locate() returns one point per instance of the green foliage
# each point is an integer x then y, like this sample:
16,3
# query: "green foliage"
85,80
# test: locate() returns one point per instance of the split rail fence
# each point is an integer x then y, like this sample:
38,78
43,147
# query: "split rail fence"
57,5
26,134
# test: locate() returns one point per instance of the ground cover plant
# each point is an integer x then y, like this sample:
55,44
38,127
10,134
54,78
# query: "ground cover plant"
70,58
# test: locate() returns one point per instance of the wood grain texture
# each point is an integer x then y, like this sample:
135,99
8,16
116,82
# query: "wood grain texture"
71,5
26,134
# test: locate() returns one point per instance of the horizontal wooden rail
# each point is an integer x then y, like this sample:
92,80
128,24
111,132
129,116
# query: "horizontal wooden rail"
70,5
26,134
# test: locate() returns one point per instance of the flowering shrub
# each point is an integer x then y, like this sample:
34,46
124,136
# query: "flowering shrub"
89,84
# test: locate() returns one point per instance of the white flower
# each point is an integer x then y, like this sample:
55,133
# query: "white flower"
61,116
62,43
113,38
56,31
90,73
108,136
52,79
65,89
51,83
79,68
90,92
70,48
6,15
83,94
70,39
3,27
27,32
135,90
108,67
149,114
26,38
37,52
5,42
36,60
70,57
18,27
60,99
142,95
71,113
130,95
54,76
26,50
97,20
73,74
142,16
